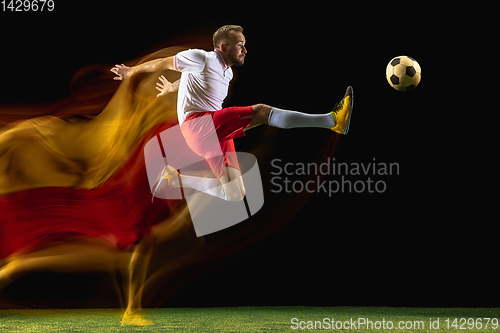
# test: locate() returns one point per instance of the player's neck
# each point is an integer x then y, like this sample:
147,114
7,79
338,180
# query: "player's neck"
227,62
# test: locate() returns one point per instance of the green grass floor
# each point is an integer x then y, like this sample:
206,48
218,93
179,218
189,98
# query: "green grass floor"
253,319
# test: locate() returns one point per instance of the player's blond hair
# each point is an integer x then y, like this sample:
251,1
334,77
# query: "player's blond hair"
222,34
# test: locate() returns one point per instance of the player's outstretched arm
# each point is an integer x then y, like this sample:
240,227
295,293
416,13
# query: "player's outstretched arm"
161,64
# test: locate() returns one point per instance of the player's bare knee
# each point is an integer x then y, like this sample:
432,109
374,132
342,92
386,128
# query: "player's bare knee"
261,112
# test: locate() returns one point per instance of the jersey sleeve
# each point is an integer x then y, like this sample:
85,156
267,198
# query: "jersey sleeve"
190,61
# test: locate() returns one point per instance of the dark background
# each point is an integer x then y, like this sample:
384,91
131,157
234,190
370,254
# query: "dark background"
429,240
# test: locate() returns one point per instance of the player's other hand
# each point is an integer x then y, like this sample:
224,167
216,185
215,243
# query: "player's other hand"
164,86
121,71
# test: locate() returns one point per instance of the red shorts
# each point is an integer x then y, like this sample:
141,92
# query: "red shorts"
210,133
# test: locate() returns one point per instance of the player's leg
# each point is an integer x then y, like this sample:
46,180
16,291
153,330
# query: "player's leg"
229,186
232,182
208,185
286,119
338,120
135,276
260,115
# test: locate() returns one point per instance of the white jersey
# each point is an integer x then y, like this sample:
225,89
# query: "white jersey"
204,81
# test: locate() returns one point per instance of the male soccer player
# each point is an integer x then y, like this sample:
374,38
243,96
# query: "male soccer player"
202,89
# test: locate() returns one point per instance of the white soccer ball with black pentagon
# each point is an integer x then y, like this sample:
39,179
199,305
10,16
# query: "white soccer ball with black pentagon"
403,73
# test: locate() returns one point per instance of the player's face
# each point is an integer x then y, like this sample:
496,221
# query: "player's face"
236,50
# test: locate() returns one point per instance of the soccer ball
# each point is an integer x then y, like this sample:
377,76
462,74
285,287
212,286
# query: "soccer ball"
403,73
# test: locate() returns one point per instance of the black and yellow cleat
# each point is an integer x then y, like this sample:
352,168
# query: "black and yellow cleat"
342,112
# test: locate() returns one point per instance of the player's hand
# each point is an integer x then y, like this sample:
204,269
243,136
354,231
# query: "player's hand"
164,86
121,71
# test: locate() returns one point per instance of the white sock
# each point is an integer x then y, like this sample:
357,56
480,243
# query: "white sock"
210,186
292,119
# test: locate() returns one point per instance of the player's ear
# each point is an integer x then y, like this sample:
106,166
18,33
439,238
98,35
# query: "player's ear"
223,47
